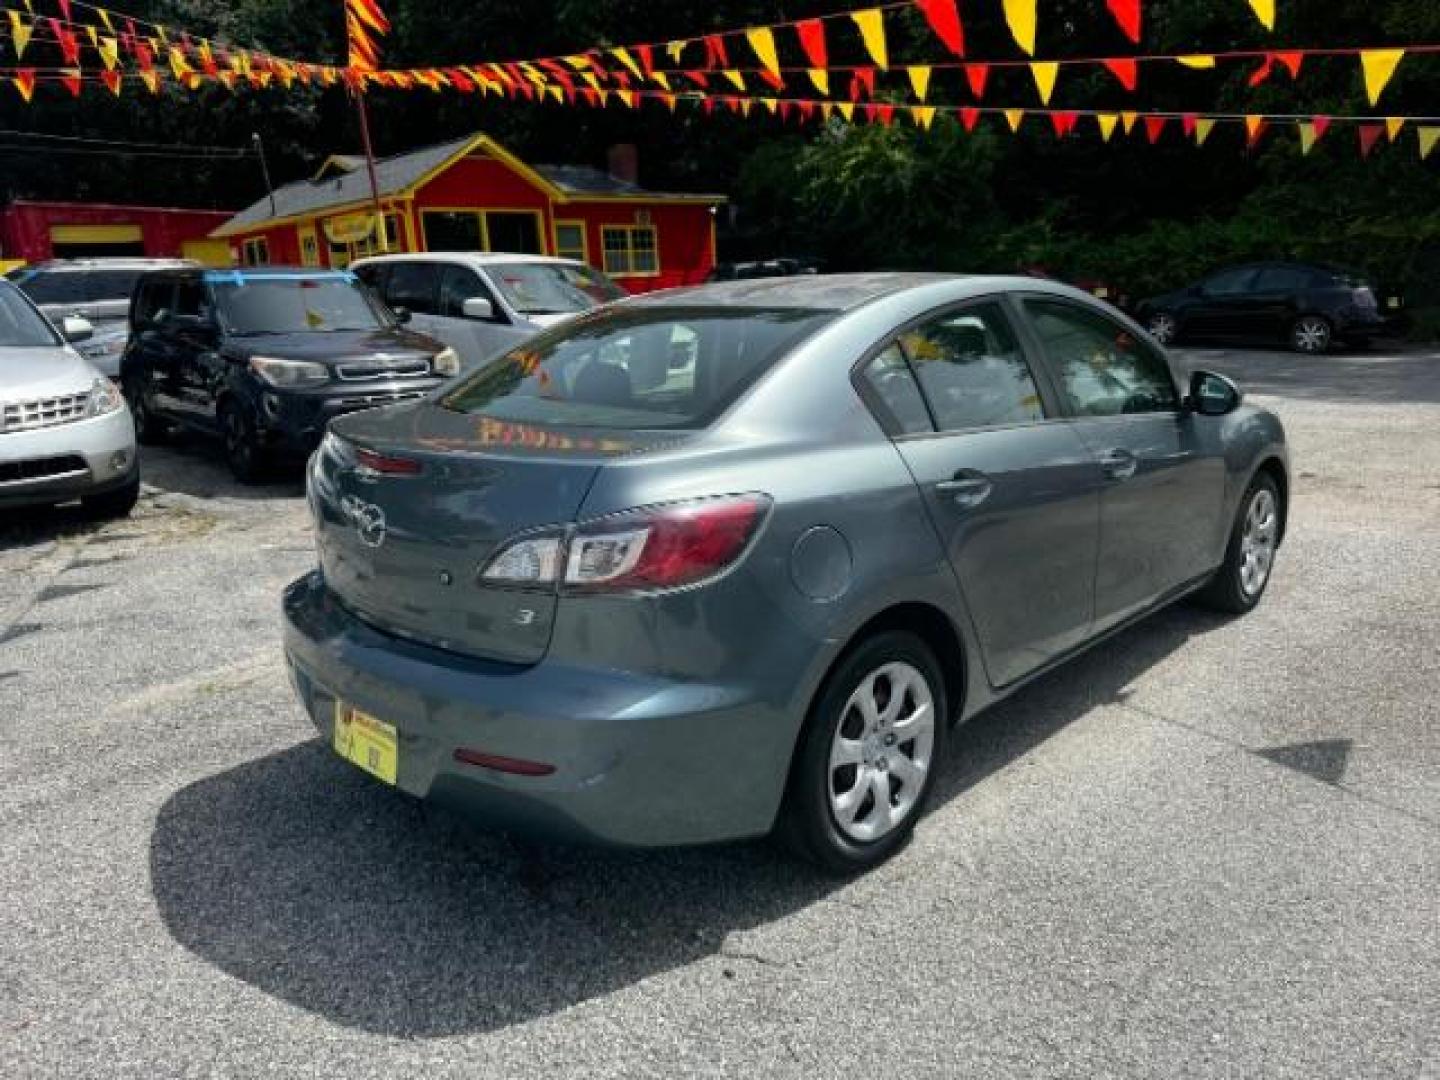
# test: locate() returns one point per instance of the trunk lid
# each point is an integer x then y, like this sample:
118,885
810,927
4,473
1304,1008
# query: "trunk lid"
404,552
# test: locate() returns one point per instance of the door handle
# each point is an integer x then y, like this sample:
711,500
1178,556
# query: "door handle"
1119,464
967,488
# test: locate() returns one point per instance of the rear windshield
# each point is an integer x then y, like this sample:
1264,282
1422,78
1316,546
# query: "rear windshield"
20,325
637,368
77,286
553,288
252,305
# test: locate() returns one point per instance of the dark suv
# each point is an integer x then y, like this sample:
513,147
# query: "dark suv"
267,357
1306,307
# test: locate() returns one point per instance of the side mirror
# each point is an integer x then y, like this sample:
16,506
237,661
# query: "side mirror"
1212,394
74,329
402,315
478,308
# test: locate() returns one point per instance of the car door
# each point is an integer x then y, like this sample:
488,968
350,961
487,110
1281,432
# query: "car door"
1219,309
1011,489
195,336
150,364
1275,297
476,340
1164,479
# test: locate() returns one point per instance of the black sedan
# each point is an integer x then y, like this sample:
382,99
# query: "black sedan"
1307,307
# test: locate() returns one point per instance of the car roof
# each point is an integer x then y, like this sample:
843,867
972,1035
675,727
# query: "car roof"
465,258
110,263
839,292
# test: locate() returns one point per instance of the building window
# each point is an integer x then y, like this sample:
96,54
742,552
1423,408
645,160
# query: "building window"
343,253
255,252
309,248
570,241
630,250
515,231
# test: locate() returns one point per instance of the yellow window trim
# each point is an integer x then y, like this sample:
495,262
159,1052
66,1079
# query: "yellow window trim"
630,231
482,211
572,223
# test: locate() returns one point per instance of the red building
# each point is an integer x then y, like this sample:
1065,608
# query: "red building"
473,195
33,231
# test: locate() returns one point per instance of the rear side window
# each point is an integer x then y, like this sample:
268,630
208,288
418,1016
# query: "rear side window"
636,369
1103,369
151,301
1284,279
1229,283
413,285
54,287
972,371
895,394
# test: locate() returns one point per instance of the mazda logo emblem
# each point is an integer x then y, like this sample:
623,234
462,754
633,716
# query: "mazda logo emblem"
368,519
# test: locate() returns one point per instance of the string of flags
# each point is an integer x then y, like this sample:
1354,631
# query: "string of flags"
738,70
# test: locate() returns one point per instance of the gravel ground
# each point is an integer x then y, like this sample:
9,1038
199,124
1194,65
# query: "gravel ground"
1207,848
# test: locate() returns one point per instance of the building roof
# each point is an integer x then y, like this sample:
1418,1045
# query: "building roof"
335,187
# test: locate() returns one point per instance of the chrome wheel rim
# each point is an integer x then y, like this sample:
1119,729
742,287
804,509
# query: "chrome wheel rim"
1162,329
880,756
1312,335
1258,541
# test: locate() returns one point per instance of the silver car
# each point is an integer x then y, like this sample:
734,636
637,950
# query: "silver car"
65,432
733,559
482,303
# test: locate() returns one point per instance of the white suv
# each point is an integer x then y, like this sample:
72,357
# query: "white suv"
482,304
65,432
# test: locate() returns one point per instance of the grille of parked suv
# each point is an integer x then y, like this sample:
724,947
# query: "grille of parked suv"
12,472
371,400
408,369
44,412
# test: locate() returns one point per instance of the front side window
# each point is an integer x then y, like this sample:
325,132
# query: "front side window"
553,288
323,303
458,284
1282,279
413,286
972,371
110,284
1229,283
635,369
630,250
892,386
20,324
1103,369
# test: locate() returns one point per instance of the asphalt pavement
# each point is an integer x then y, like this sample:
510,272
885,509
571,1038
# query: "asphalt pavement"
1208,848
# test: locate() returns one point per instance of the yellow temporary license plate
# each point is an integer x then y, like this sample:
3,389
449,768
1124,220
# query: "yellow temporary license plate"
369,743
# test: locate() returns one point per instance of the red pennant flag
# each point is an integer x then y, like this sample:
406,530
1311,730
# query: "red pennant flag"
1369,135
111,79
592,96
460,81
71,79
65,10
1127,14
1322,125
883,115
715,53
1262,73
812,40
707,105
771,78
24,80
977,75
699,78
1154,127
1187,124
1291,62
69,44
647,60
784,111
862,80
1125,70
944,19
1063,122
969,117
807,109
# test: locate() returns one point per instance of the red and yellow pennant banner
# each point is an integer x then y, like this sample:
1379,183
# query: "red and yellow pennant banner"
364,24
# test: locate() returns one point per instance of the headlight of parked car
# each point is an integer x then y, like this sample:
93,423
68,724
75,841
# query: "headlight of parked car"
446,362
289,373
104,398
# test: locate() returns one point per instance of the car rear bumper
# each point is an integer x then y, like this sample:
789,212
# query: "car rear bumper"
67,461
1360,325
638,760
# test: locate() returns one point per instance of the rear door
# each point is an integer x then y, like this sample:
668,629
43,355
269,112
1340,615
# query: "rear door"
1164,480
1276,298
1012,490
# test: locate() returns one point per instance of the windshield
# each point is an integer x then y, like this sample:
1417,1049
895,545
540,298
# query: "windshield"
321,303
636,369
553,288
20,325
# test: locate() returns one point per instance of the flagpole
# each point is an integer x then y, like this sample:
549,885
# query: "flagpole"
369,149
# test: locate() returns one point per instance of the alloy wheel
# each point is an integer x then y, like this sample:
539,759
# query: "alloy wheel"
1258,542
1312,335
880,756
1162,327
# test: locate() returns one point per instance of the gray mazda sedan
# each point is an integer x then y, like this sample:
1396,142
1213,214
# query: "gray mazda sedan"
735,559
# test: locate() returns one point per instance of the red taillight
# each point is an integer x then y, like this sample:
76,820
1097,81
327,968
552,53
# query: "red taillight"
514,766
387,465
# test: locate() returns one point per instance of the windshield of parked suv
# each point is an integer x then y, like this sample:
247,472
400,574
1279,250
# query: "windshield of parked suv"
636,369
294,304
553,288
20,325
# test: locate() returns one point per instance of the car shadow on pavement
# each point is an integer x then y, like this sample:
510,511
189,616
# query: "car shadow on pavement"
311,882
195,466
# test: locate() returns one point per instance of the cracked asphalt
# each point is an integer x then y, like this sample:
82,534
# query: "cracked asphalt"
1208,848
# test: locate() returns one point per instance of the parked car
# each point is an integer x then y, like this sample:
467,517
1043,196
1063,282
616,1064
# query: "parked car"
784,266
589,591
481,303
97,290
265,358
1309,308
65,433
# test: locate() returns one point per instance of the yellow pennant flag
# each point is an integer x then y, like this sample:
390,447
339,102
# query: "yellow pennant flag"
1127,121
556,94
773,105
745,106
920,81
826,109
623,55
579,63
736,79
1045,74
627,96
1429,136
93,35
591,78
1253,124
105,18
1198,61
670,100
1265,12
675,50
1203,127
872,30
26,85
923,115
1307,137
1378,65
661,78
1393,125
20,32
1013,118
847,110
178,63
1020,15
821,78
1107,122
151,79
762,40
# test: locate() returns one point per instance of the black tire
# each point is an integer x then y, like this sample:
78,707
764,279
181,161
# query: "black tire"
1227,591
1312,335
112,504
808,825
149,429
243,450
